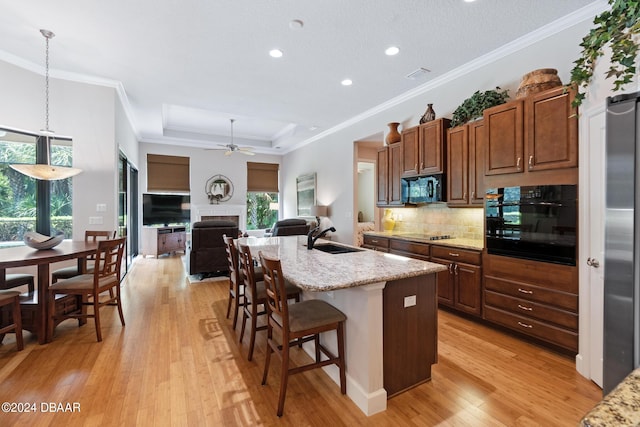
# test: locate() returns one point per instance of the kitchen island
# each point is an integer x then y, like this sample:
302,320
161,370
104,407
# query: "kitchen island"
391,308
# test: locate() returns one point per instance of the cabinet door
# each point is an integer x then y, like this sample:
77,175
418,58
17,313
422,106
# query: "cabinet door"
445,283
476,163
457,166
432,146
382,173
504,138
552,124
395,165
410,151
468,288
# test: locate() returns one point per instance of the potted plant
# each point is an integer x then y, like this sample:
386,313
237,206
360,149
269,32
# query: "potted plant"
618,28
473,107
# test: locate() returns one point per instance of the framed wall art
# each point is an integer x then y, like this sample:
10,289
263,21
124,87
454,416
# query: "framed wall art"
306,191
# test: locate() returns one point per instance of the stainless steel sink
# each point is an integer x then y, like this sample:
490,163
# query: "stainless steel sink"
335,249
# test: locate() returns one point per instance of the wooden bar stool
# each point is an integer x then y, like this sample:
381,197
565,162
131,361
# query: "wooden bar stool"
255,296
12,298
303,321
236,286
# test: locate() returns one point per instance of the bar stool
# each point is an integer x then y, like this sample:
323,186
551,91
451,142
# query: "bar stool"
303,321
18,279
255,296
236,286
12,298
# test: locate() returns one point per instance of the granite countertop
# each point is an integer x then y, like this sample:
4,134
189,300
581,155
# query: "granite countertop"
619,408
473,244
314,270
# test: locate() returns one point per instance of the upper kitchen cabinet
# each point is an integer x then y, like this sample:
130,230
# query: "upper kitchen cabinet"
504,135
552,130
465,165
423,148
388,176
536,137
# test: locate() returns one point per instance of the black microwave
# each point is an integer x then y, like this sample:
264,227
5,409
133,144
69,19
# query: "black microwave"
423,189
533,222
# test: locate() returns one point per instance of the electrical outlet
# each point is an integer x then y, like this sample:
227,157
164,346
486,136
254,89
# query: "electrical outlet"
101,207
409,301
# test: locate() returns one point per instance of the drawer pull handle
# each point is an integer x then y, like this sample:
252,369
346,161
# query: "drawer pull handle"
374,241
524,325
454,254
525,291
522,307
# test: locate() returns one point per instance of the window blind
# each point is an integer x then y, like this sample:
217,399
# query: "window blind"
262,177
167,173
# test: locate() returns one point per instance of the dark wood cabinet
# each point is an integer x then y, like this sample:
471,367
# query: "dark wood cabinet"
536,137
389,190
423,148
534,298
376,243
465,165
410,249
460,286
552,130
504,138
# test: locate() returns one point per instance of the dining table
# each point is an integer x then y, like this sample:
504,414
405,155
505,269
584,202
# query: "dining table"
24,256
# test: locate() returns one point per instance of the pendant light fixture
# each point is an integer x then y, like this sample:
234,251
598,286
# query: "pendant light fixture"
46,171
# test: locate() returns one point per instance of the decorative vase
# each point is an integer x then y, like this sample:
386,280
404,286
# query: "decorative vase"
387,221
393,135
538,81
428,115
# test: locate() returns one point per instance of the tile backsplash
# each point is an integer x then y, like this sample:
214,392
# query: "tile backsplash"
438,218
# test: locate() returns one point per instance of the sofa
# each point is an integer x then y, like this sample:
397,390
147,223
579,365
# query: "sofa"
290,227
207,254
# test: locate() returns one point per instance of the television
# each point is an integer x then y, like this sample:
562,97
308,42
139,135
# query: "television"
165,209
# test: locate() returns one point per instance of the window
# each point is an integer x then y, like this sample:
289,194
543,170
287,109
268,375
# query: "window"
262,195
27,204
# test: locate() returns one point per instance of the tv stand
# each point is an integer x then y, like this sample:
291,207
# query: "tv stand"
161,240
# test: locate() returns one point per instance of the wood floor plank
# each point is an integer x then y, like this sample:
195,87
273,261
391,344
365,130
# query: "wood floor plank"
178,362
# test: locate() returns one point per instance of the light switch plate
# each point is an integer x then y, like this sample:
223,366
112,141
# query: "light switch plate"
95,220
101,207
409,301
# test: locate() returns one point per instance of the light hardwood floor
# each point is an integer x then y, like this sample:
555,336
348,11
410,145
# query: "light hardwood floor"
178,362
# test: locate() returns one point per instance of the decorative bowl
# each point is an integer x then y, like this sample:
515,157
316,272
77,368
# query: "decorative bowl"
40,241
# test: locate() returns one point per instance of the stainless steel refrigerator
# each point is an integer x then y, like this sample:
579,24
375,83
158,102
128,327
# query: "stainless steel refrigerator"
622,240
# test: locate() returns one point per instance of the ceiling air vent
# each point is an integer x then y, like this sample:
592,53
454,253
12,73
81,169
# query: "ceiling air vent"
417,74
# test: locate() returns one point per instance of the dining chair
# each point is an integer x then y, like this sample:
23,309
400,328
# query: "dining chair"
255,298
18,279
12,298
295,323
71,271
105,277
236,286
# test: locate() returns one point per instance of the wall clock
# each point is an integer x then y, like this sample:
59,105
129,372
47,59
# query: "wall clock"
219,189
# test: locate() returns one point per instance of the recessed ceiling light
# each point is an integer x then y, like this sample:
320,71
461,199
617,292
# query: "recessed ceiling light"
469,1
275,53
393,50
347,82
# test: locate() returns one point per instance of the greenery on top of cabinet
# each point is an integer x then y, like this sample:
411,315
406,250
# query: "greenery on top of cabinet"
473,107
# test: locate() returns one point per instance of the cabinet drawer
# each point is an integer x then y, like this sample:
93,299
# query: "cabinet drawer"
533,310
457,255
410,249
546,332
544,274
378,242
532,293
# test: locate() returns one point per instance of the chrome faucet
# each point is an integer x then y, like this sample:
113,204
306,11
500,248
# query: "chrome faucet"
312,240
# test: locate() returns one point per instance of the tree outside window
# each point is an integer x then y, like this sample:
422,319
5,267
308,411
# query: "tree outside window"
19,207
262,210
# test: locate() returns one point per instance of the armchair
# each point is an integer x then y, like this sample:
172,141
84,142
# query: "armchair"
208,254
290,227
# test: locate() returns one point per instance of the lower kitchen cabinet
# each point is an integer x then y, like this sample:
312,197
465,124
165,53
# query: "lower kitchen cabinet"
460,286
376,243
535,298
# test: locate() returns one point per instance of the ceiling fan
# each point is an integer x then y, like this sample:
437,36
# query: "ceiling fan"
232,148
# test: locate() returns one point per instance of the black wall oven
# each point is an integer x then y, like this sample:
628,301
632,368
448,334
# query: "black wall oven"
532,222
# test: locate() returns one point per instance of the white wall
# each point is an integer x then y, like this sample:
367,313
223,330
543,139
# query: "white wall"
84,112
203,165
332,157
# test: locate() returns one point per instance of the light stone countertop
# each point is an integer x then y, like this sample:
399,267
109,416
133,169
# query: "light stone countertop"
313,270
473,244
619,408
